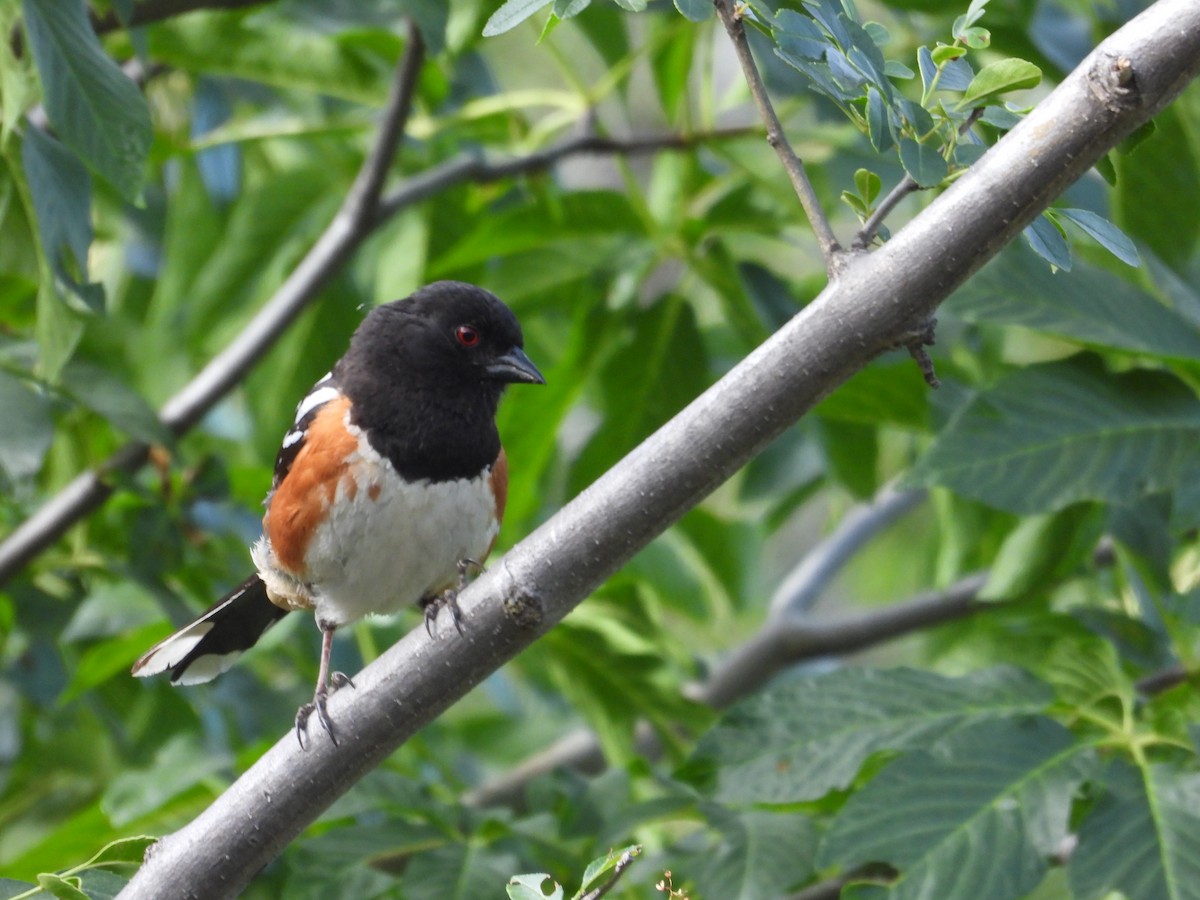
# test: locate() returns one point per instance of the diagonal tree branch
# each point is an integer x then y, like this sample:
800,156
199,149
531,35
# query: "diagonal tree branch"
1125,81
731,18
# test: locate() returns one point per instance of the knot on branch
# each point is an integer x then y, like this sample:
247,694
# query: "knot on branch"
524,607
915,341
1114,82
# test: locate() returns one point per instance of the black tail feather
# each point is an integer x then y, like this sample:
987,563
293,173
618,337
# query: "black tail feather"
208,646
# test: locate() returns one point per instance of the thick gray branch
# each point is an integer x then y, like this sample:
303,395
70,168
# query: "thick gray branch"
875,302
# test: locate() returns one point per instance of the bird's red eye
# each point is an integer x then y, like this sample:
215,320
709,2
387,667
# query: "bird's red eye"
466,335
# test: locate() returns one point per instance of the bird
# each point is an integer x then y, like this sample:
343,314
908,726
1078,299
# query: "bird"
389,486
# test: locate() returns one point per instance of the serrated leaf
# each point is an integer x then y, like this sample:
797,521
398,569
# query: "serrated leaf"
1048,242
1056,434
799,741
974,820
999,77
1087,305
29,430
760,854
924,162
1141,837
530,887
94,107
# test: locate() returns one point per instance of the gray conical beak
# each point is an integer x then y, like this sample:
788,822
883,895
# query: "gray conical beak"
514,366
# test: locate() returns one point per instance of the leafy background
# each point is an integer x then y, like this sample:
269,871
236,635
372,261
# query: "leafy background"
1040,741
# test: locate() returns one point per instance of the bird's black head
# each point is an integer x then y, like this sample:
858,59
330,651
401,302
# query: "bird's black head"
449,332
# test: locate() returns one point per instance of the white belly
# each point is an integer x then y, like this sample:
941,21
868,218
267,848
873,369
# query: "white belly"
385,544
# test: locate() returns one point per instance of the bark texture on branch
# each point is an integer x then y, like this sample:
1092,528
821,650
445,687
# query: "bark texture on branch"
879,298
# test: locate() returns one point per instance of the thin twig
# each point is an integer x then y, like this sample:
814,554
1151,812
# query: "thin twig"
156,10
870,228
907,185
143,14
830,249
479,169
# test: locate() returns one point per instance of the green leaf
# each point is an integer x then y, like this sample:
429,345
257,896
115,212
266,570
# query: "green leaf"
1105,233
179,763
29,430
107,658
123,850
107,395
62,194
883,393
602,865
1056,434
1087,305
923,162
94,107
60,887
1158,190
973,820
852,455
943,52
1041,550
761,853
997,78
799,741
531,887
1140,838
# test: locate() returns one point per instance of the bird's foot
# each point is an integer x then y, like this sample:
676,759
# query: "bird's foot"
449,597
317,705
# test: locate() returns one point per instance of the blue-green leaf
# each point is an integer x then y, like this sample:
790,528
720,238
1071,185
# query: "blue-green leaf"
923,162
695,10
1048,242
512,14
1105,233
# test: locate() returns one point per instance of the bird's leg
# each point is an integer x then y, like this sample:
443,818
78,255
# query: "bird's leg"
326,684
449,598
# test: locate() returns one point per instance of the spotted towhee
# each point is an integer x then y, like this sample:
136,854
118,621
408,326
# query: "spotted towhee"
389,484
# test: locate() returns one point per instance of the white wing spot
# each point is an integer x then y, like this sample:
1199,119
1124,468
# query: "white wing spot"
316,397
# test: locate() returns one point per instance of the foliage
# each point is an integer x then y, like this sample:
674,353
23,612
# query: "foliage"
1024,751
